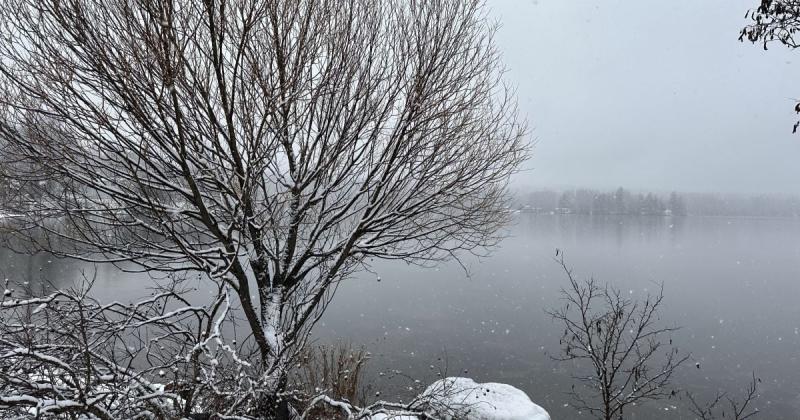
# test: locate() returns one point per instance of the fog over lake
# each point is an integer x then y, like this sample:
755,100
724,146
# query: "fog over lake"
286,174
731,283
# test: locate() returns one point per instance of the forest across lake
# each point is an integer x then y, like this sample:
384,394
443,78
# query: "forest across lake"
623,201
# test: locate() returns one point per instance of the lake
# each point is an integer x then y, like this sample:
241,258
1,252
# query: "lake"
732,284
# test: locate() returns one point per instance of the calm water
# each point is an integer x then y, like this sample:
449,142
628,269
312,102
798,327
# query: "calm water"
733,284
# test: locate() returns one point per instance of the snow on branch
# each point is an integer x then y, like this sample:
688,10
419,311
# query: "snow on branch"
65,353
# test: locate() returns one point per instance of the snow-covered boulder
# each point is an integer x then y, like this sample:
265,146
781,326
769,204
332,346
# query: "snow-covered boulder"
381,416
464,399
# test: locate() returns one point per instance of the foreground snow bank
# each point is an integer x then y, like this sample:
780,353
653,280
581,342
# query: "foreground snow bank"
473,401
464,399
381,416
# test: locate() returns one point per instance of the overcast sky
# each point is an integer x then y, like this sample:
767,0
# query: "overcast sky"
651,94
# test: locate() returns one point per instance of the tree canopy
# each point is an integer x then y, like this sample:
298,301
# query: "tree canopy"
275,147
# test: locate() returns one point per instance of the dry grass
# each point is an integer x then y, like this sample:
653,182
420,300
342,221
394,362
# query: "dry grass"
335,371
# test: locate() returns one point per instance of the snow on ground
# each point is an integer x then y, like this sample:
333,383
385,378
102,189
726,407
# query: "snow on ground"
489,401
382,416
464,399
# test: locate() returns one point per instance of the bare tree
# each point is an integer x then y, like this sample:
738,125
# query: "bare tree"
621,344
774,21
276,147
65,354
737,409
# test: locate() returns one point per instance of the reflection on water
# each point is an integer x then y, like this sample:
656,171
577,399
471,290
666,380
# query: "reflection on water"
731,283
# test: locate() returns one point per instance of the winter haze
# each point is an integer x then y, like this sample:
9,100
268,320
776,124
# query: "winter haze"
654,95
393,209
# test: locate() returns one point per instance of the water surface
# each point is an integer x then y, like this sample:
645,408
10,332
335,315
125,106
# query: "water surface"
732,284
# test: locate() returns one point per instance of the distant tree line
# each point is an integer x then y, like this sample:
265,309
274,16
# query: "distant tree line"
626,202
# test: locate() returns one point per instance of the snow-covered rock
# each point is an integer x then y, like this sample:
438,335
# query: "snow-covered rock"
464,399
381,416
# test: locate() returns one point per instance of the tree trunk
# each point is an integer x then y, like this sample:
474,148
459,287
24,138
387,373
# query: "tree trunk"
274,407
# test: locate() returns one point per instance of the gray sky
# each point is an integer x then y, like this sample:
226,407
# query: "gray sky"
651,94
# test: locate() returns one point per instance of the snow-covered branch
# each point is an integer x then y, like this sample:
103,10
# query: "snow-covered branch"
67,353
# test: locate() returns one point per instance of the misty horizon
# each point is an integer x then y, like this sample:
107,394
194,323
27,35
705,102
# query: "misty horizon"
519,188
